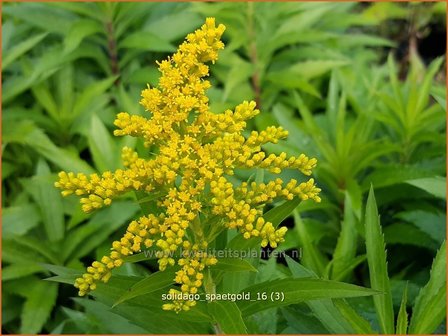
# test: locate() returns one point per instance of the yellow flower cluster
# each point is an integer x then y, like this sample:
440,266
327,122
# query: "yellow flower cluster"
196,151
194,260
137,234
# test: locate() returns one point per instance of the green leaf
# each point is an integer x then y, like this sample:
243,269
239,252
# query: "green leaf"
233,282
433,185
394,174
294,290
15,271
300,321
101,145
145,311
402,320
376,257
66,279
111,322
338,318
8,31
12,252
18,50
147,41
345,250
403,233
303,20
42,189
27,133
439,94
329,315
259,175
234,265
90,93
83,239
381,11
38,306
61,270
42,16
125,99
398,97
312,257
147,202
152,283
367,40
355,195
425,86
83,8
227,317
35,244
299,270
239,72
357,322
355,262
42,94
311,69
279,213
145,255
18,220
430,306
79,30
433,224
174,26
284,80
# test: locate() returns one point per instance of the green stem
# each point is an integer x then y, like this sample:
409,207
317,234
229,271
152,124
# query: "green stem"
195,226
253,53
210,288
111,40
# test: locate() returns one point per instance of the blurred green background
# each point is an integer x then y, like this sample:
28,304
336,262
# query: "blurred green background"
359,86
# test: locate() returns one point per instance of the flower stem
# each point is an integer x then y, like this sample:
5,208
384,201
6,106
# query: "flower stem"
112,50
210,288
253,53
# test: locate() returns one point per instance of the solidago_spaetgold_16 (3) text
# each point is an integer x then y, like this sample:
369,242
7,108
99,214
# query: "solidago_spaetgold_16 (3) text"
193,153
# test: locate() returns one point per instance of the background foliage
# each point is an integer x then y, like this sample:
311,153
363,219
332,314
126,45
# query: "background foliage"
359,86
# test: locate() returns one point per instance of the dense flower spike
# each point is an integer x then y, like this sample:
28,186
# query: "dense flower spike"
196,151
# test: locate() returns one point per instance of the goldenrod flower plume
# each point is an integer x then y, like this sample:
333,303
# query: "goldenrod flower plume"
196,152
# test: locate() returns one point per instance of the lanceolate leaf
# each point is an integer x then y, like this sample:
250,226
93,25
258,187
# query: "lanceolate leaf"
376,257
402,320
146,41
293,290
113,323
49,200
84,238
150,284
227,317
27,133
433,185
279,213
345,250
63,274
20,49
336,315
38,306
430,306
235,264
18,220
358,323
312,257
102,146
79,31
19,270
